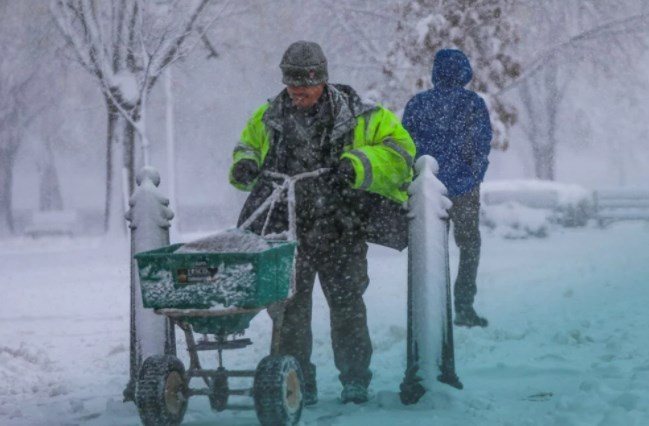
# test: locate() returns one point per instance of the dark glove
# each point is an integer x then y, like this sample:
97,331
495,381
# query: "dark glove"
245,171
343,174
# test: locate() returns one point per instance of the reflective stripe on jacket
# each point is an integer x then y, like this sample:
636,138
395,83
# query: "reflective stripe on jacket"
379,148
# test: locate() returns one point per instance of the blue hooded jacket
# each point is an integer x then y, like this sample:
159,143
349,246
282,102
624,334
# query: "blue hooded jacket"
451,124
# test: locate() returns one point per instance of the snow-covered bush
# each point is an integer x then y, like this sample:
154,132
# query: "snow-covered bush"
528,208
515,221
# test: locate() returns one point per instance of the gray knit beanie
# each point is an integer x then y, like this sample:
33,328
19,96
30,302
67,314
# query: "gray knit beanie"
304,64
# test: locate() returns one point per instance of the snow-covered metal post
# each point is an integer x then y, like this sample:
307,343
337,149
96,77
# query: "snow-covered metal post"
430,353
149,217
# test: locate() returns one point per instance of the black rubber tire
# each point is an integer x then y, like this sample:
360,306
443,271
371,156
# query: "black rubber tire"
278,391
161,394
218,395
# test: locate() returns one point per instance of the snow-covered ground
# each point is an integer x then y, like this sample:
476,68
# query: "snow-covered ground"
567,344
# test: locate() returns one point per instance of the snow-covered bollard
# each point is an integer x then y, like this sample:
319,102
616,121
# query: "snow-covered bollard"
429,351
148,217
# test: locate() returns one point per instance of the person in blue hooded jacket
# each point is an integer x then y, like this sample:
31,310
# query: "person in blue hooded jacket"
451,124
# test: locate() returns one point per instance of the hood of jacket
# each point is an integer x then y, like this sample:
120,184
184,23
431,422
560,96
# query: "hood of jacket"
346,105
451,68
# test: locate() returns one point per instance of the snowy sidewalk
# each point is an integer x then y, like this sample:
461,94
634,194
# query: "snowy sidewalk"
567,343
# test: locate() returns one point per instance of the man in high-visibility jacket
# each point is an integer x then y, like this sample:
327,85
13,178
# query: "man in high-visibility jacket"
311,125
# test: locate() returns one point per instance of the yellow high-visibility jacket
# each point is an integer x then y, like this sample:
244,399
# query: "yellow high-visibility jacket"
379,148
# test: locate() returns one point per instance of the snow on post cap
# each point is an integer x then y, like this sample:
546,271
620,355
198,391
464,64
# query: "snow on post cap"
426,180
426,162
148,205
148,173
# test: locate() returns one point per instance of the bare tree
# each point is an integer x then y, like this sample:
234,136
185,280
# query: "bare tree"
126,45
10,138
563,37
356,34
49,197
22,90
484,29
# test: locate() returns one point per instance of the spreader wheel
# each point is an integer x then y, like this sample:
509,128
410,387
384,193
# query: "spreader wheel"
278,389
161,392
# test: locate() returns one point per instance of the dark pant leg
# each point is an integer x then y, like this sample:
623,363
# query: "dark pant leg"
296,337
343,276
465,215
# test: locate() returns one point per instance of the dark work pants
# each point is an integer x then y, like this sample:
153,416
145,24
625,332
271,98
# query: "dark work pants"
465,216
343,278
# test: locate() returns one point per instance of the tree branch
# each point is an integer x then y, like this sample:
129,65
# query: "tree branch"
608,29
169,55
64,23
209,46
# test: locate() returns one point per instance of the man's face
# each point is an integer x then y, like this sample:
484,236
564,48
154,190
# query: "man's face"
304,97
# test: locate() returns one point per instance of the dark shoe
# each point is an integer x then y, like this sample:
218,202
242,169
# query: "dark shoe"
467,317
353,392
310,385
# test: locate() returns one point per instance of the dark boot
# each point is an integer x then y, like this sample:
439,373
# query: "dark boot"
310,385
354,392
466,316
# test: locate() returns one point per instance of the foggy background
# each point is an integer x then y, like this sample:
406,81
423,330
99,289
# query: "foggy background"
581,63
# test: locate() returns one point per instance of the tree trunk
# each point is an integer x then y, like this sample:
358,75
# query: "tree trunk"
120,166
129,155
542,125
7,157
544,161
552,101
111,134
170,134
49,188
116,197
